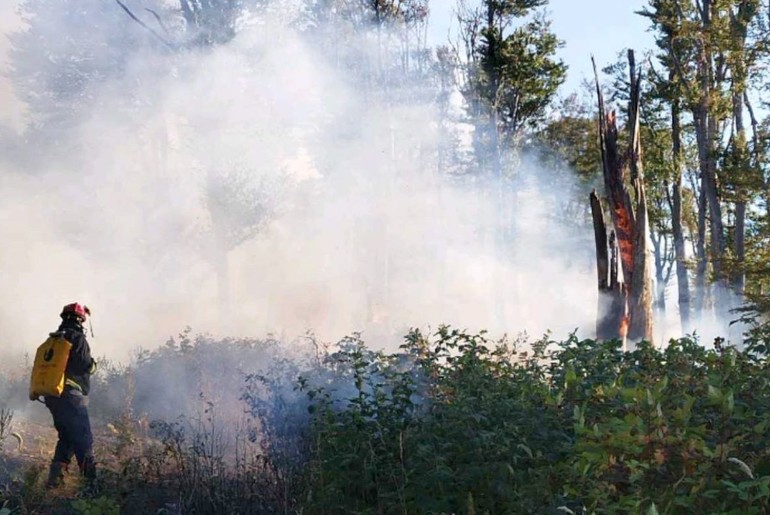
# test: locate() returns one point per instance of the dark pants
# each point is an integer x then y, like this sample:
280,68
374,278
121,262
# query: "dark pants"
70,418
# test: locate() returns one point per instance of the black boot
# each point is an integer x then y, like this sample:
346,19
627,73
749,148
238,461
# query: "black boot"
88,471
56,474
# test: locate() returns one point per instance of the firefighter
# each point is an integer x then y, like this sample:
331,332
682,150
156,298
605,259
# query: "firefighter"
70,411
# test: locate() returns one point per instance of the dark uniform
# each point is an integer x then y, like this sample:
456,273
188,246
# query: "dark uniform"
70,411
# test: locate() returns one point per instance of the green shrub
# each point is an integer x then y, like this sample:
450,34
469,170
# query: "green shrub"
455,423
99,506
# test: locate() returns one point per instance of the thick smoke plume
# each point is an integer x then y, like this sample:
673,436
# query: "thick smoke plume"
259,187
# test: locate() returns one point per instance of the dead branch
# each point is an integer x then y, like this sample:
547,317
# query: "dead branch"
158,19
144,25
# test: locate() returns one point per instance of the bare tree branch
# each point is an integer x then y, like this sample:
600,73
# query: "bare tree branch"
160,22
140,22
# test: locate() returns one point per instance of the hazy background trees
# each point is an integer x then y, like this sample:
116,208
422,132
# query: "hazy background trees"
102,83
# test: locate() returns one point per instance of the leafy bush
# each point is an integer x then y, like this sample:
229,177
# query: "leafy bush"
684,428
99,506
456,423
451,423
168,381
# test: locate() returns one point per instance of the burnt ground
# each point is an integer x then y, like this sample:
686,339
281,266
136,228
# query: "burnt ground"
24,468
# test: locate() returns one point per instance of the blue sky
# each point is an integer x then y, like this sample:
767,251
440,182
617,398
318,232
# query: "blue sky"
599,27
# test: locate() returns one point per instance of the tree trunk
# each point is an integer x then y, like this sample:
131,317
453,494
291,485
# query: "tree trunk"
223,290
610,310
496,160
700,255
757,154
707,135
660,250
707,158
629,218
640,298
738,275
683,285
739,26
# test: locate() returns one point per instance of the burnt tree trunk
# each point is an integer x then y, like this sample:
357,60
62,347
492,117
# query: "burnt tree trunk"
629,219
640,298
610,302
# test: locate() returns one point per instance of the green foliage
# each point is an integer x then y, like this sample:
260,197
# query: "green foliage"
446,426
755,315
457,423
708,65
513,74
99,506
460,423
570,139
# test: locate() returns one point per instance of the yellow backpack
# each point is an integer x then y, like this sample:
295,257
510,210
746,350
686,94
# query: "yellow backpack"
48,370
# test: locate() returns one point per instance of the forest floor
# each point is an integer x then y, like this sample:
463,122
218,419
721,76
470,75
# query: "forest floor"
24,461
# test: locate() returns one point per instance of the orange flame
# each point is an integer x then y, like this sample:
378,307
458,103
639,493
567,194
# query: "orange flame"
625,240
623,330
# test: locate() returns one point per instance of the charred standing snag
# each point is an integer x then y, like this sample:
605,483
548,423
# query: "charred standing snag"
625,301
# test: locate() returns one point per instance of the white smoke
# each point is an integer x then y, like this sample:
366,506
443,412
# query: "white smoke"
364,232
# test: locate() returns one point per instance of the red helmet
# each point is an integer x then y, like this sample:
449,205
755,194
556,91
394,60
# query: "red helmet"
78,310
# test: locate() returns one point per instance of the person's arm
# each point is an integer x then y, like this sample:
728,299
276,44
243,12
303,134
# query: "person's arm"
81,355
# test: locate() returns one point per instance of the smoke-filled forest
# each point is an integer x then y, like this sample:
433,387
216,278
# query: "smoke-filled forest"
337,264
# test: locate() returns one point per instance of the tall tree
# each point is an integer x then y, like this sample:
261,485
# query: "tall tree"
670,89
512,73
688,32
742,56
708,53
